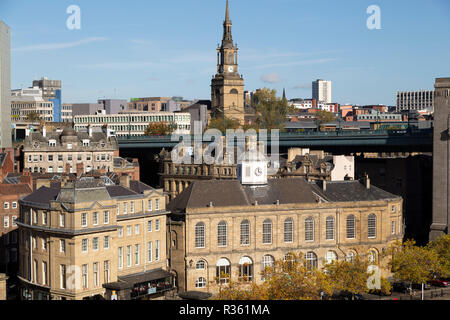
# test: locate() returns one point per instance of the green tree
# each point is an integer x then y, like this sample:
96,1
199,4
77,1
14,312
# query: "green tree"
442,247
271,111
349,276
323,116
413,264
33,116
159,128
222,124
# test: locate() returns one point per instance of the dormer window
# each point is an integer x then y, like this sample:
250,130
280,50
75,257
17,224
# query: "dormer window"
86,143
102,144
36,144
52,143
69,146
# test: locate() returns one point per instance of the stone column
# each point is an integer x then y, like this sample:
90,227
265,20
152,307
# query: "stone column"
3,279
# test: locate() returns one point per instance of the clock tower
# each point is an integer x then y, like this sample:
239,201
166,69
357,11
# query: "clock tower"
227,86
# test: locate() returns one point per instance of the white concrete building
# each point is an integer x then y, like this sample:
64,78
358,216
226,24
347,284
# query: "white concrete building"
344,168
321,90
422,101
30,100
134,123
5,86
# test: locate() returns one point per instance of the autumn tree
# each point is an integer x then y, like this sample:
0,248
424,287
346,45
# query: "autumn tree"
442,247
160,129
413,264
349,276
287,279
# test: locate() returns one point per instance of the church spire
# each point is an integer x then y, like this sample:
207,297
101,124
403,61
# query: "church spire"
227,13
227,37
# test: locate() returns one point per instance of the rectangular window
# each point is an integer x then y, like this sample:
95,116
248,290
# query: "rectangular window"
106,270
393,208
62,246
5,205
106,242
157,250
6,222
137,229
128,256
14,205
44,244
35,217
120,232
120,262
50,158
84,270
95,218
106,217
60,157
84,219
95,270
84,245
62,271
150,204
132,207
129,231
156,204
149,251
393,227
157,225
136,254
62,220
44,218
124,208
95,243
44,273
149,226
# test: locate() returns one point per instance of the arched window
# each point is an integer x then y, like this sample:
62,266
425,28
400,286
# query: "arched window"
222,234
200,235
288,230
372,256
311,260
350,256
245,269
267,261
309,229
330,256
200,265
223,270
372,226
351,227
329,228
245,233
200,283
289,260
267,231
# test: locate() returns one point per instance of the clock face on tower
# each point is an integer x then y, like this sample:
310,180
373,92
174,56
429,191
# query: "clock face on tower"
230,69
258,171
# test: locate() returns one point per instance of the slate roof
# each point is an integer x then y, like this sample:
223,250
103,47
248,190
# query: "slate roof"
348,191
224,193
42,196
119,191
14,189
139,187
228,193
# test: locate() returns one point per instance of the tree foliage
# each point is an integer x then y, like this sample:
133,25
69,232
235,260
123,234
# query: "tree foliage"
159,128
33,116
413,264
349,276
323,116
223,123
271,111
442,247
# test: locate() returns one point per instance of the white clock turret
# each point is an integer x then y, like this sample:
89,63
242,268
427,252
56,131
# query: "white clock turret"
252,169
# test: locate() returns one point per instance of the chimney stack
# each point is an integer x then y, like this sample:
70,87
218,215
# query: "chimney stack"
124,181
367,181
90,130
44,131
324,185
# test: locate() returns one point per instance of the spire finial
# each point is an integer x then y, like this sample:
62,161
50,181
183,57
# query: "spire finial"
227,13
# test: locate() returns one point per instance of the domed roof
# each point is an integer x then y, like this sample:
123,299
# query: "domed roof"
68,132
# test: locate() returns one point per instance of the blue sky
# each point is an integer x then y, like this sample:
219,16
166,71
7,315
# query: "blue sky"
139,48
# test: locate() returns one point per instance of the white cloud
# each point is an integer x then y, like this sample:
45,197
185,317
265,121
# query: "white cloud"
271,77
303,86
60,45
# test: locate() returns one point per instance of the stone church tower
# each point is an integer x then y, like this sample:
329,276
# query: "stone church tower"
227,86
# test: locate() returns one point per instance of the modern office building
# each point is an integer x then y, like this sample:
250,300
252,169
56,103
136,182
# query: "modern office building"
86,108
134,123
113,106
321,90
422,101
5,86
66,112
30,101
51,91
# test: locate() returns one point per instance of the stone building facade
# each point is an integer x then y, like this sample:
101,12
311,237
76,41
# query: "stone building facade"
237,228
441,159
86,239
68,150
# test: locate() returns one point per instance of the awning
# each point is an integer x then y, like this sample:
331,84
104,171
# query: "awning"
223,262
